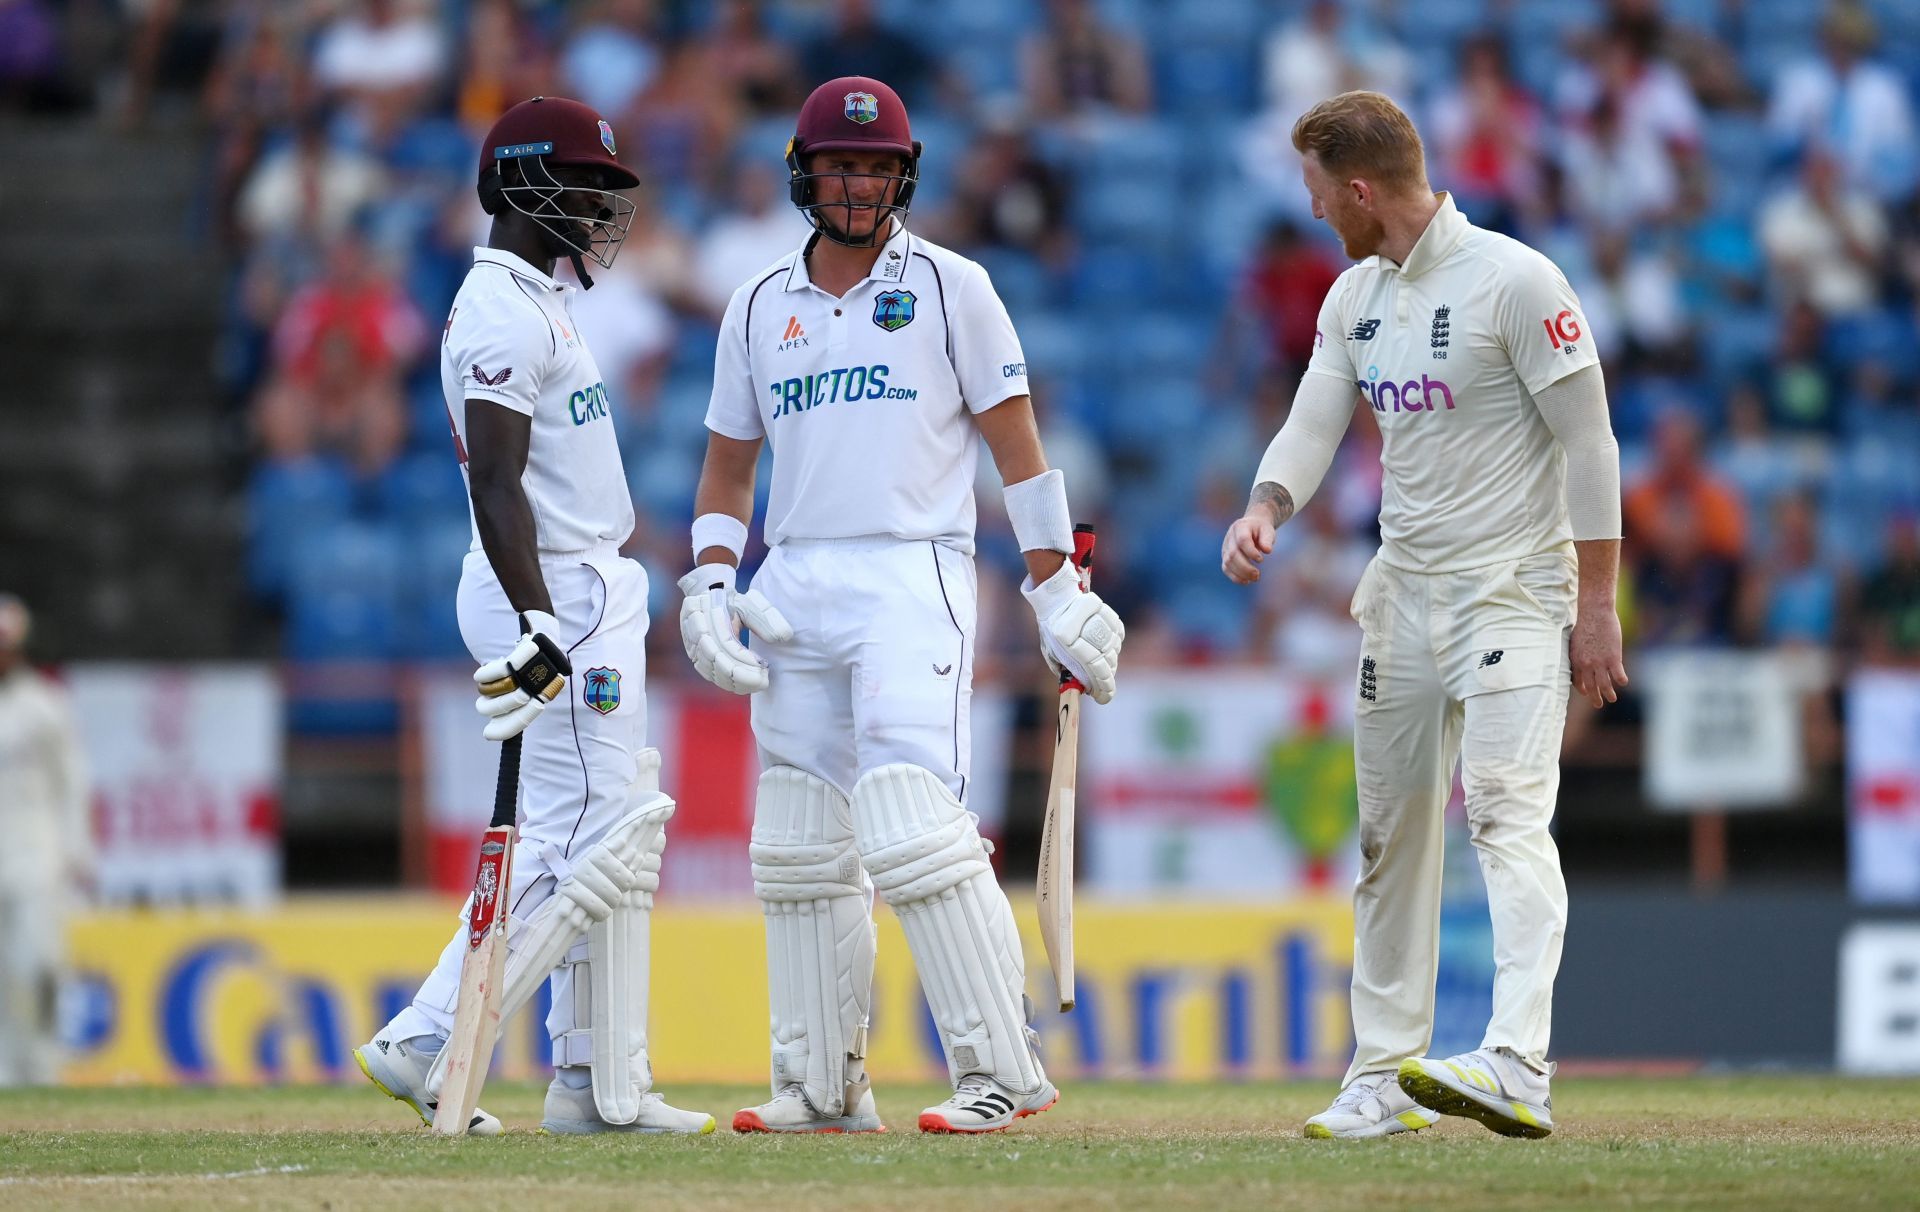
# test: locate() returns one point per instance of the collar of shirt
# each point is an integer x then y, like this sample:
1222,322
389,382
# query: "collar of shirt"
889,266
1442,235
514,265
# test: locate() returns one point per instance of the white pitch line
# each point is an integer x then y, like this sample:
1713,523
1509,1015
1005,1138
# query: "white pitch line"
146,1178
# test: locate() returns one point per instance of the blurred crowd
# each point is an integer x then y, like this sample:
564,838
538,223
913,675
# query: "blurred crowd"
1730,186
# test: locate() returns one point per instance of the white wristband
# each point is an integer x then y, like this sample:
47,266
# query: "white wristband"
719,530
1038,510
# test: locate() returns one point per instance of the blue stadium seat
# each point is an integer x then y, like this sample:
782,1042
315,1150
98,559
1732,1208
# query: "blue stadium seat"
1110,278
1738,341
344,609
1885,336
435,551
1130,148
284,502
423,487
1018,278
1198,79
1143,212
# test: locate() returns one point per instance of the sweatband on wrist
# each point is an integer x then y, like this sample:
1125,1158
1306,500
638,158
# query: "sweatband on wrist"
1038,510
719,530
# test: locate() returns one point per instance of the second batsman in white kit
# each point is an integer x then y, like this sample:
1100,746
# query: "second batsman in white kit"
872,362
1492,590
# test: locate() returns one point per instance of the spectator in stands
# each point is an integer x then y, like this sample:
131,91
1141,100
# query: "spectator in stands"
755,230
383,58
1302,621
1283,290
1007,196
1799,383
1632,298
1630,112
1889,613
1790,597
1760,464
310,190
1619,176
1680,492
505,61
1077,65
628,326
753,71
258,88
1825,241
859,45
1486,137
339,356
613,57
1841,100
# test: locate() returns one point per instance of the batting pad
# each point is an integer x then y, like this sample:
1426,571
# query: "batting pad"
591,887
616,976
820,934
925,855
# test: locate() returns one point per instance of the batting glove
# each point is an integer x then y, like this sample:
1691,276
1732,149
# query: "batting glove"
1078,632
518,686
710,622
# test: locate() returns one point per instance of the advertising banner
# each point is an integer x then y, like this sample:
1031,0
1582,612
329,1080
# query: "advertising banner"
1723,731
1883,786
185,764
1178,991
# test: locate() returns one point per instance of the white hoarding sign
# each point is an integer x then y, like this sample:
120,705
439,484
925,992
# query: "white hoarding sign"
1880,999
1883,786
185,764
1723,731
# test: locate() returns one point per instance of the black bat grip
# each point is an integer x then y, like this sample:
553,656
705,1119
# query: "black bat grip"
506,794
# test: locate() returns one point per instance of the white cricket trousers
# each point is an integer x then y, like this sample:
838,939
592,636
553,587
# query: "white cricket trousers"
1468,667
577,764
880,667
32,946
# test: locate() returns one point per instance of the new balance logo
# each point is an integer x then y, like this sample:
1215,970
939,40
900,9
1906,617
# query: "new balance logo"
1491,658
794,337
1364,330
483,378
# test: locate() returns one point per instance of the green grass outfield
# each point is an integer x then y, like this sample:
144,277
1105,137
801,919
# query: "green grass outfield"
1690,1142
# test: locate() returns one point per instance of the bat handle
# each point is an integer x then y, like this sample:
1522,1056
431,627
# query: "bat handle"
506,793
1083,539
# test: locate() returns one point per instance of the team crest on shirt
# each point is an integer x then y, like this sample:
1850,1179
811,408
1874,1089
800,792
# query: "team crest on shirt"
603,689
862,107
893,309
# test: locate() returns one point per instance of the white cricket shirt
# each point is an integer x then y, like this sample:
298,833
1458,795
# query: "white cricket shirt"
510,339
865,400
1449,349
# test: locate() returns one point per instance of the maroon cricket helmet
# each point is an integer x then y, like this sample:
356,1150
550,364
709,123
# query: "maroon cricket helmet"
560,131
852,113
540,135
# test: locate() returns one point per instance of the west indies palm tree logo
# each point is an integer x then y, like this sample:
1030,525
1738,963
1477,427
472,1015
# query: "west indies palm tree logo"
603,689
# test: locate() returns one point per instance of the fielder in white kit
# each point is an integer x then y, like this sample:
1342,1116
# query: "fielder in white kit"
1493,587
557,618
47,862
872,362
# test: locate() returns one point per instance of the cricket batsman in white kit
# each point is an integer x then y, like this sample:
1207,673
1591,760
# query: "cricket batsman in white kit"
1493,588
48,858
872,361
558,619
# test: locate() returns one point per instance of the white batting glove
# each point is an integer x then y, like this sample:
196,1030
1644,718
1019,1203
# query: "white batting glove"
518,686
1078,632
710,621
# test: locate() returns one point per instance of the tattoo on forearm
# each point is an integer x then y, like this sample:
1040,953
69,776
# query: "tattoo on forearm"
1275,498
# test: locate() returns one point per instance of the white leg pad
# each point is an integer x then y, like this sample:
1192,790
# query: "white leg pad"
820,936
594,885
618,952
925,855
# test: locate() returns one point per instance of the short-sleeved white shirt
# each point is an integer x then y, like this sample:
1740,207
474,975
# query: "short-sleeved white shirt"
1449,349
866,400
510,339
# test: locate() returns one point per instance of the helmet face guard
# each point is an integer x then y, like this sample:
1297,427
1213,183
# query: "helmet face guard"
597,236
802,191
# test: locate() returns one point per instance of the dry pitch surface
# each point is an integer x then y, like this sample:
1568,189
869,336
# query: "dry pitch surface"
1704,1142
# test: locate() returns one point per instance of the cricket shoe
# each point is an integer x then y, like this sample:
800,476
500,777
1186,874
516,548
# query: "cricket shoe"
1491,1085
1371,1105
400,1072
791,1111
572,1112
981,1104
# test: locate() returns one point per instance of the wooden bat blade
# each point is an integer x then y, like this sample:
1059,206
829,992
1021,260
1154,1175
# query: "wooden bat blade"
476,1019
1053,891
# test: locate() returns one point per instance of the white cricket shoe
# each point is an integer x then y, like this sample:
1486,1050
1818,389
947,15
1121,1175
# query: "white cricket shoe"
1371,1105
571,1112
400,1073
1491,1085
981,1104
791,1111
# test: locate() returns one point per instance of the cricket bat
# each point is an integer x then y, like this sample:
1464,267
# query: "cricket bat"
1053,892
476,1016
